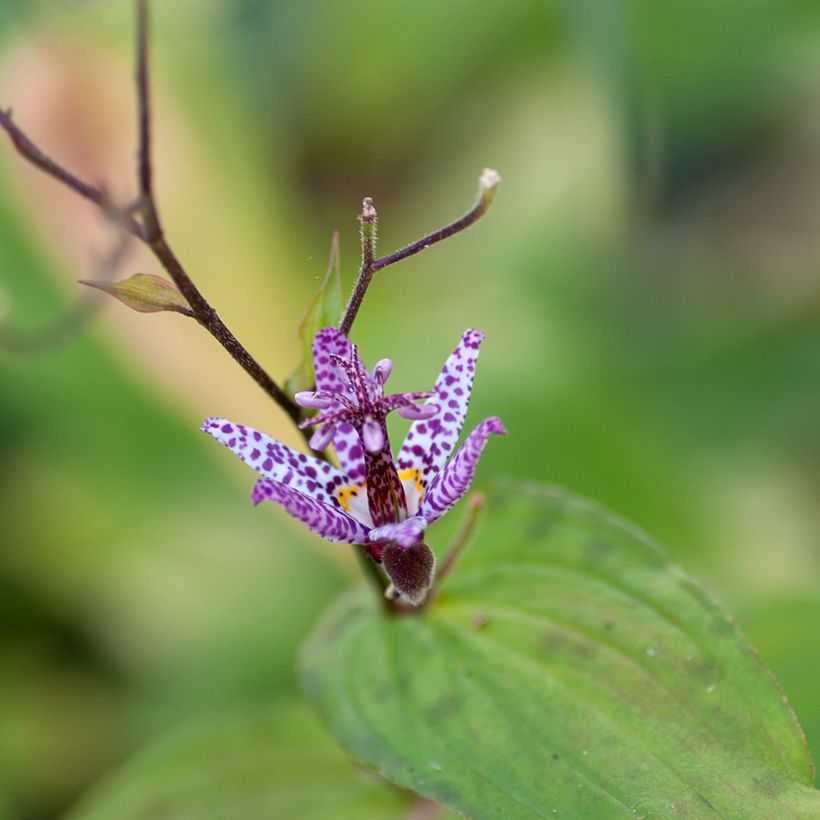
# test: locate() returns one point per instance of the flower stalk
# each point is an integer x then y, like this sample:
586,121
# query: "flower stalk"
375,500
148,228
487,184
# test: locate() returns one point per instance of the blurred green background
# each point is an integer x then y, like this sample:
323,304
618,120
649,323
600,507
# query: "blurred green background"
647,279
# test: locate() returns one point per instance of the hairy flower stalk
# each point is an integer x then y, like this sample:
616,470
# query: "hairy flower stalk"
372,499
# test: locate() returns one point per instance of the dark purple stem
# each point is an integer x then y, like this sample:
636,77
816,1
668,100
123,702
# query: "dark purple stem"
154,237
370,265
30,152
150,229
368,219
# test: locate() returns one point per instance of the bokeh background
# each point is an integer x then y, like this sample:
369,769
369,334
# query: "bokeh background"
647,279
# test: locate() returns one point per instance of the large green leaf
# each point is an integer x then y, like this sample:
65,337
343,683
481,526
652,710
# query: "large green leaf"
281,765
567,668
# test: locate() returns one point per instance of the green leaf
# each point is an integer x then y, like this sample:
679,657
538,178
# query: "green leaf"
567,668
280,765
145,293
325,309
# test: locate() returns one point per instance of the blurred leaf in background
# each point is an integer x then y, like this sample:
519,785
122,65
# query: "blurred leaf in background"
648,283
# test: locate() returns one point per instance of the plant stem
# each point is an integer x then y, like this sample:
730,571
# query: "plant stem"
30,152
368,220
475,505
149,230
372,573
155,239
488,182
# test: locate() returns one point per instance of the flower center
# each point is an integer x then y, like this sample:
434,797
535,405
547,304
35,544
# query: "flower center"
361,403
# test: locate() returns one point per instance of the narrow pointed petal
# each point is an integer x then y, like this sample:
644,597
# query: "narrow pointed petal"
277,461
324,519
332,342
455,479
430,442
405,534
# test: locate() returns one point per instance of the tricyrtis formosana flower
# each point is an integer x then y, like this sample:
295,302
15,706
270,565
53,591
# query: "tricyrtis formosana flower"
373,499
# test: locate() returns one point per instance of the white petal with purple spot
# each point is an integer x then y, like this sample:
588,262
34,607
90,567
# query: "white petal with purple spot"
324,519
455,479
277,461
332,342
430,442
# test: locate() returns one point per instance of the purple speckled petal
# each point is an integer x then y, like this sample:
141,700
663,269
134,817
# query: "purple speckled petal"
455,479
430,442
324,519
277,461
405,534
332,342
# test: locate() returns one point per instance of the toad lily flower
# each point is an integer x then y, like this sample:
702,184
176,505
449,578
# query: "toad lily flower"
374,500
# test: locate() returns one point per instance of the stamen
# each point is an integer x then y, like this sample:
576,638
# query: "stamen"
331,417
416,412
381,371
345,365
314,399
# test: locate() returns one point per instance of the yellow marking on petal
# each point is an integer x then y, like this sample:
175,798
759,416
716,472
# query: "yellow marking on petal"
345,494
413,473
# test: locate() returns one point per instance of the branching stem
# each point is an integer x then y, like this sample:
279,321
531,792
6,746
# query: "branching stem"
149,229
370,265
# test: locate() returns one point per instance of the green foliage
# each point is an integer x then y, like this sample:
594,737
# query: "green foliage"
566,667
277,765
325,309
651,338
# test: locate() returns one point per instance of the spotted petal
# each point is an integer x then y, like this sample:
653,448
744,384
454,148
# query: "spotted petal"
277,461
332,342
455,479
430,442
324,519
405,534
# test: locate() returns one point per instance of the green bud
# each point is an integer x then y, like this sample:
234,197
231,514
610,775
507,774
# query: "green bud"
145,293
